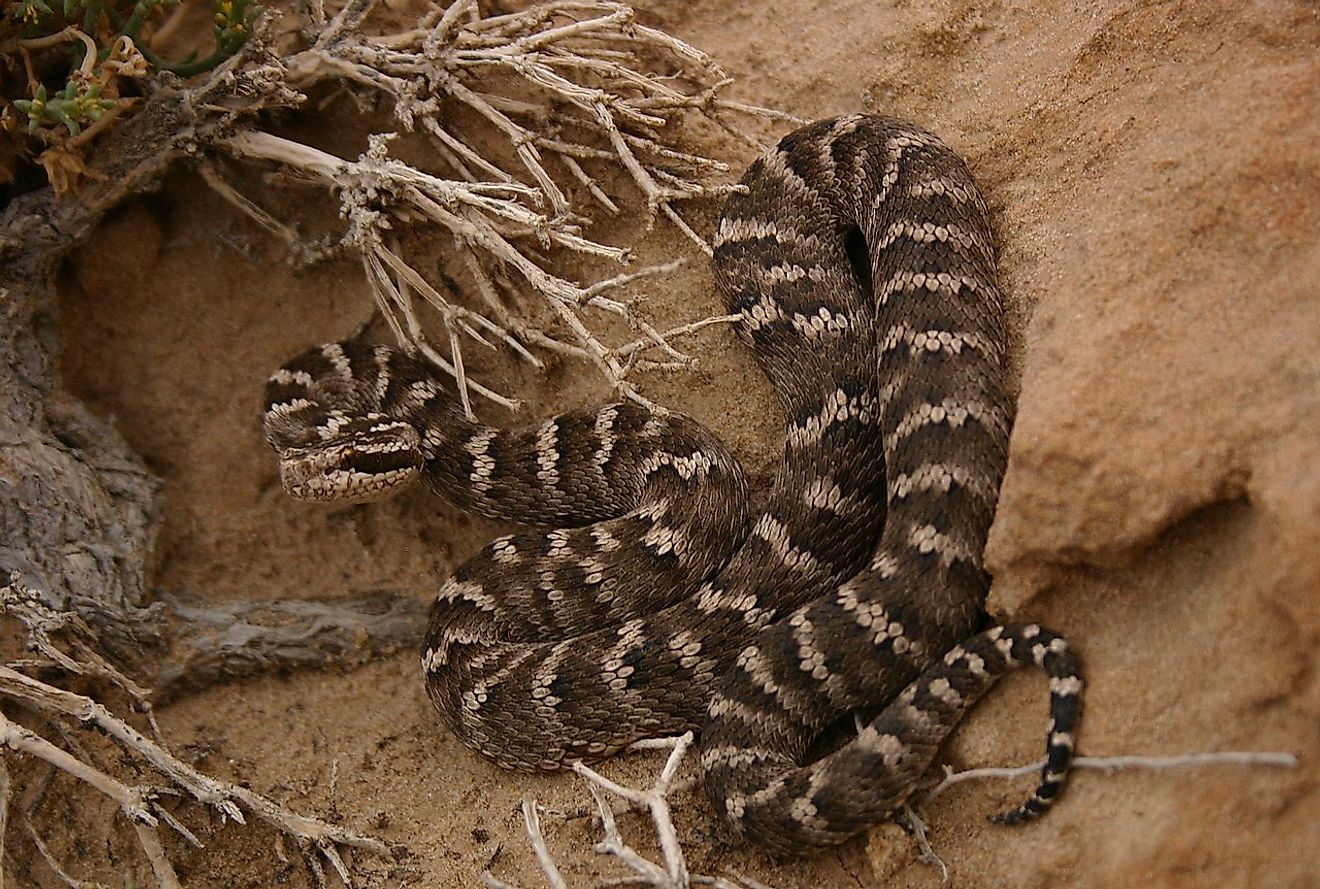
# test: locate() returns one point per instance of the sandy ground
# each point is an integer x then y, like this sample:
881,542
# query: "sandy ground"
1155,183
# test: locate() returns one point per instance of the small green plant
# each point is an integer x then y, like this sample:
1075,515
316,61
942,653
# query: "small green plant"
76,102
67,70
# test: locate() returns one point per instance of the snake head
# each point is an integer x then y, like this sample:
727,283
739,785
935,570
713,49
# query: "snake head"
345,459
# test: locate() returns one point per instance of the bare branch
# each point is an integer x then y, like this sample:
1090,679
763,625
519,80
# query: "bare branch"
1110,764
553,88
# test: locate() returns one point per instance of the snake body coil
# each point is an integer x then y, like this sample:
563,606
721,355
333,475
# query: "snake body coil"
861,261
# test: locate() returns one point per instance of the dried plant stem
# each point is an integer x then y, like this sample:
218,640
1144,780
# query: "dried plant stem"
1110,764
560,92
546,861
673,874
60,709
133,801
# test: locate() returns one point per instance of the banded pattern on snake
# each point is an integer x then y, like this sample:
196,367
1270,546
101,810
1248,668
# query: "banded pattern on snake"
862,263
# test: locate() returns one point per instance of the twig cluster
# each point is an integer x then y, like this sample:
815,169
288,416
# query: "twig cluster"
54,720
536,117
672,872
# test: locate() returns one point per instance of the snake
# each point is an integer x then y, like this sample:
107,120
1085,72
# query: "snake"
823,644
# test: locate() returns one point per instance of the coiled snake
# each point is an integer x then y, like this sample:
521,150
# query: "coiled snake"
861,261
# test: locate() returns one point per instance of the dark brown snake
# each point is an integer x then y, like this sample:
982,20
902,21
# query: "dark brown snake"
861,260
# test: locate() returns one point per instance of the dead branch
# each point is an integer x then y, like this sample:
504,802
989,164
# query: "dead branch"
551,88
1111,764
673,874
57,707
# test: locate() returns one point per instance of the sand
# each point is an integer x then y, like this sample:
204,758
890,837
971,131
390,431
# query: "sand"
1155,186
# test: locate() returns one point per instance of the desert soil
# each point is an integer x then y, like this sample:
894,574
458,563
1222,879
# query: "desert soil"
1154,178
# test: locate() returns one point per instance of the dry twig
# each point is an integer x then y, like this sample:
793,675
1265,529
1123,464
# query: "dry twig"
1111,764
673,874
564,92
61,710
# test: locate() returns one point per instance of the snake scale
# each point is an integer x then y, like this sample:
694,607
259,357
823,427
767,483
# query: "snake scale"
861,261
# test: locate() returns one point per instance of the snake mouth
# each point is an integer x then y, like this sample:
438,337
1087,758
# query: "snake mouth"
348,474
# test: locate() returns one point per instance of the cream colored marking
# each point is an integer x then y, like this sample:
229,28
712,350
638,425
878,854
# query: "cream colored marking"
631,636
942,691
787,273
418,394
919,719
687,648
1065,685
381,356
868,615
605,541
803,811
287,377
838,408
823,493
664,539
940,477
950,411
653,511
776,162
547,454
560,544
976,665
284,408
842,127
735,230
605,436
952,342
884,564
810,658
1005,648
334,421
759,670
888,747
483,465
820,324
334,353
1063,739
609,587
468,591
942,186
478,694
545,581
929,539
738,756
764,312
724,707
544,676
766,793
593,570
775,534
894,150
697,464
909,282
964,241
504,550
711,598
